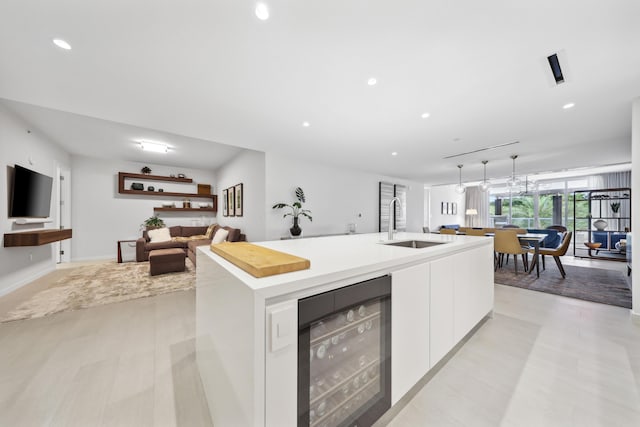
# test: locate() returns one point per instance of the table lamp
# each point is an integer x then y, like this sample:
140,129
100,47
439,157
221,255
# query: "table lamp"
471,213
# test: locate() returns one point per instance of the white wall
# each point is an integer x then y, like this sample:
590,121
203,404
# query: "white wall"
335,196
20,265
445,193
101,216
247,168
635,205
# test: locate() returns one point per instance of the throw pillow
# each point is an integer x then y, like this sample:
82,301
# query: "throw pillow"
220,236
159,235
210,231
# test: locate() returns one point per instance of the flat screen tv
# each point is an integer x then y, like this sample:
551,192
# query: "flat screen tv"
31,195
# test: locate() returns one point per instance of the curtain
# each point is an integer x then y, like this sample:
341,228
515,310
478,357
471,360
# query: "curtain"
476,199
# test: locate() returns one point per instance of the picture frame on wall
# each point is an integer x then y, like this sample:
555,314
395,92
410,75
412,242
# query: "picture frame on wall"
225,202
454,208
238,199
448,211
443,208
231,198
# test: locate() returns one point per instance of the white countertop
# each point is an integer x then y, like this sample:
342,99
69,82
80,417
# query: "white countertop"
338,258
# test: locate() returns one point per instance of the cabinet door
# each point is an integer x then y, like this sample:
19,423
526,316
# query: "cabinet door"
473,289
409,328
441,308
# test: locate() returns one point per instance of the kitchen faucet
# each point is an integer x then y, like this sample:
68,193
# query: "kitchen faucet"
395,199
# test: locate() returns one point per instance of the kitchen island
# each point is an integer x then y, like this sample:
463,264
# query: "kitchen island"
247,328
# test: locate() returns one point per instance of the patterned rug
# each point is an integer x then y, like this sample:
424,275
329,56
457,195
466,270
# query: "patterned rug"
590,284
100,284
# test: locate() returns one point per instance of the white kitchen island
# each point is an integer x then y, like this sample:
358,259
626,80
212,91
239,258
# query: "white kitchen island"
247,328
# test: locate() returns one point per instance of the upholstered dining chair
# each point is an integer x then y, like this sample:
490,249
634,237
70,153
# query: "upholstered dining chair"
507,242
447,231
556,253
559,228
476,232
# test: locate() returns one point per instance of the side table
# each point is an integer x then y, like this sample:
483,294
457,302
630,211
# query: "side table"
120,242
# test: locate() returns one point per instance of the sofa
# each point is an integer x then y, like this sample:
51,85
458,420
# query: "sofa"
185,238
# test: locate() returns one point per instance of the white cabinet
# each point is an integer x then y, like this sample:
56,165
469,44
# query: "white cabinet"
409,328
473,289
441,308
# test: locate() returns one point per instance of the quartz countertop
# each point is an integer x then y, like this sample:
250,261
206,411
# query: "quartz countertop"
336,258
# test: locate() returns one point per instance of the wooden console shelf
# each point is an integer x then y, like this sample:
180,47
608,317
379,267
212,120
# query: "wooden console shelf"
122,190
123,175
36,238
184,210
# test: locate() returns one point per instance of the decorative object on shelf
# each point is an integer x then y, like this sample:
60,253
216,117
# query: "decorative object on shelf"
615,208
239,201
151,188
204,188
460,188
296,211
153,222
231,205
204,205
168,205
186,203
137,186
146,170
160,190
173,175
225,201
600,224
181,175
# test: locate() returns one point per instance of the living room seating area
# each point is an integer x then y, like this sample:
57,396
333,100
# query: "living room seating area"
187,238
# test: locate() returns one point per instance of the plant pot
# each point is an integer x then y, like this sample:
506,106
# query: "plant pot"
295,230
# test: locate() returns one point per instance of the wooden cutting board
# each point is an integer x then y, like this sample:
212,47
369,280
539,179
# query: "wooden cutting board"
259,261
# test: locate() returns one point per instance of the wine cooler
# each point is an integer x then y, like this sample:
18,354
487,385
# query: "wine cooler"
344,355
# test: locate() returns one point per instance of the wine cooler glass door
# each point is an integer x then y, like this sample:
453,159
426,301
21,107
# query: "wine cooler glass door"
344,378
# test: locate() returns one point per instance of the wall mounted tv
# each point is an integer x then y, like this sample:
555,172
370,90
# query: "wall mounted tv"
31,194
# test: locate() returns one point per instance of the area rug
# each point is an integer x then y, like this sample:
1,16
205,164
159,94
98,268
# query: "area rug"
100,284
590,284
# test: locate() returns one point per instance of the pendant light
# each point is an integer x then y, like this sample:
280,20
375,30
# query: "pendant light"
484,187
514,182
460,189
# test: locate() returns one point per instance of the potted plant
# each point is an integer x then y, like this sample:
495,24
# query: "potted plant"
153,222
296,211
615,207
146,170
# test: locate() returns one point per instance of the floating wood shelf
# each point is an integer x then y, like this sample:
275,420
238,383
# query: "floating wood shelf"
122,190
36,238
184,210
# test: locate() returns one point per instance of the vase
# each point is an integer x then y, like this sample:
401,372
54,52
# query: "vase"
600,224
295,230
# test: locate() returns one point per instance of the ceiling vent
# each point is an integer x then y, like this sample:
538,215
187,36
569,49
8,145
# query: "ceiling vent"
556,70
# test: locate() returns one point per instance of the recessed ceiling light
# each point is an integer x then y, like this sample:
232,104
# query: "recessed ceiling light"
62,44
569,105
306,124
372,81
425,115
154,147
395,153
262,11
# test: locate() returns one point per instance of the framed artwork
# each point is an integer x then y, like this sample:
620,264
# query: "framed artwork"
448,211
238,205
454,208
443,208
231,198
225,201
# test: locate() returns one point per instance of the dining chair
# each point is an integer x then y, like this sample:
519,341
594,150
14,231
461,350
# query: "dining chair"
476,232
507,242
556,253
447,231
560,228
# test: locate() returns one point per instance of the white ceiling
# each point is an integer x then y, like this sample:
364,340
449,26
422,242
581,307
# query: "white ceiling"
212,71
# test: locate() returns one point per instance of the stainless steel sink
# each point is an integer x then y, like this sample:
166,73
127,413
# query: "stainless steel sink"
416,244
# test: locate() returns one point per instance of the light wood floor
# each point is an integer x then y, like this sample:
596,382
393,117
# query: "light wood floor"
542,360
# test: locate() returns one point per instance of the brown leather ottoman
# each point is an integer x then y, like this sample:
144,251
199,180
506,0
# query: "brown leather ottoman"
166,261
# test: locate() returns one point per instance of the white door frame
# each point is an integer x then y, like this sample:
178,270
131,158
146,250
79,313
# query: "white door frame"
63,179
